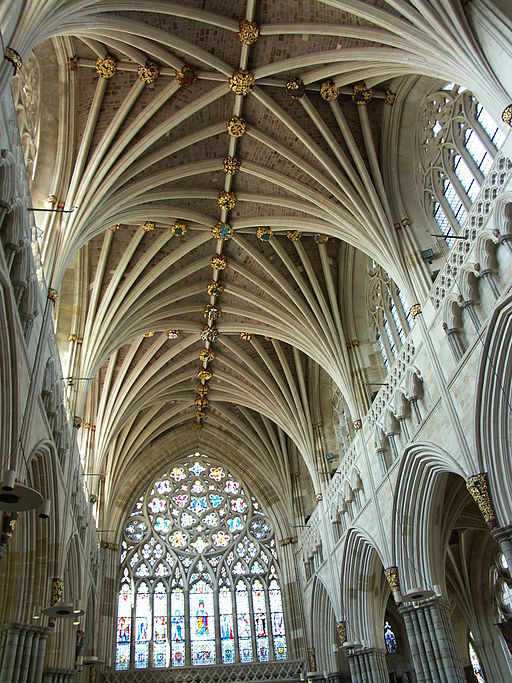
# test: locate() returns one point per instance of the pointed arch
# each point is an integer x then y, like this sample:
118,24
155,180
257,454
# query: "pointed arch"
364,588
493,412
415,552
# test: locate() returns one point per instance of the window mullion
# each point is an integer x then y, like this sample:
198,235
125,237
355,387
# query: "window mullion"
484,137
234,612
188,628
271,650
399,308
477,173
449,214
459,189
251,622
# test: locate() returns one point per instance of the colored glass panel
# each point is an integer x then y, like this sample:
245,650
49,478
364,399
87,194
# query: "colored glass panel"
180,530
389,638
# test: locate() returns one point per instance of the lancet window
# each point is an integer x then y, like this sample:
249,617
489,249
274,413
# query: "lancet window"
458,144
199,574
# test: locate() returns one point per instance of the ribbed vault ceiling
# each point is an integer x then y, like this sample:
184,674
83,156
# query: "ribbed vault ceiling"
137,152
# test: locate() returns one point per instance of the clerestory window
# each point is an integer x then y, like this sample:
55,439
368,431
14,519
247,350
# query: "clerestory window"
199,574
458,143
388,316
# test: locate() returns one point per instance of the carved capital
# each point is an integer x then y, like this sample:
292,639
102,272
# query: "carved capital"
391,574
311,659
361,95
249,32
149,72
295,88
506,115
341,630
478,487
232,165
415,310
106,68
329,91
241,82
14,58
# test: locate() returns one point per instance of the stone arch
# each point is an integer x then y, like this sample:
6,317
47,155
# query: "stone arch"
323,626
8,379
492,421
364,589
31,561
414,551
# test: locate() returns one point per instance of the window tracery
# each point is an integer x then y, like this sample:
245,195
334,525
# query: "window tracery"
458,143
387,309
199,580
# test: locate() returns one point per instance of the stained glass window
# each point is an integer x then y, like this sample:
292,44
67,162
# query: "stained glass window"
143,627
200,574
389,637
160,621
475,663
124,619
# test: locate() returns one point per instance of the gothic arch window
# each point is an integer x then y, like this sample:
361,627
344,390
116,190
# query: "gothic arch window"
199,574
389,319
458,143
475,662
390,638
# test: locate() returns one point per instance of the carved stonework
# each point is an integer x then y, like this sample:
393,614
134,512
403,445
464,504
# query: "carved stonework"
391,574
341,629
311,659
73,63
226,200
361,95
249,32
148,226
77,422
232,165
57,591
264,234
318,497
478,487
294,235
295,88
27,96
241,82
149,72
358,424
390,97
7,531
106,68
186,76
415,310
14,57
329,91
218,262
178,228
320,238
236,126
53,294
507,115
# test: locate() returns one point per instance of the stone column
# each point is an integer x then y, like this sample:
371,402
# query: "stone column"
488,277
27,651
503,535
432,642
368,666
9,652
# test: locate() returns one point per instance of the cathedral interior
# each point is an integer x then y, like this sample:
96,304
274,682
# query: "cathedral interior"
255,333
